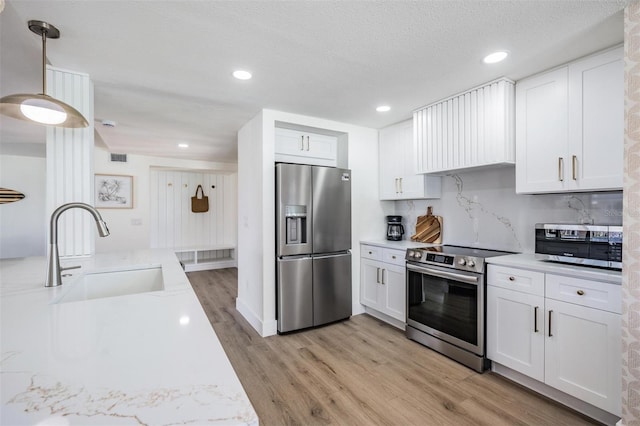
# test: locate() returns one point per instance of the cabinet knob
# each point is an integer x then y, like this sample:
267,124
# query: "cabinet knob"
580,292
512,278
370,252
393,257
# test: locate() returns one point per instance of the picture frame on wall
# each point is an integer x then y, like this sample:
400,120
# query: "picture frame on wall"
113,191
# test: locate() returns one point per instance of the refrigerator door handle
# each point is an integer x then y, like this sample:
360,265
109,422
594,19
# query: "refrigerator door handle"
326,256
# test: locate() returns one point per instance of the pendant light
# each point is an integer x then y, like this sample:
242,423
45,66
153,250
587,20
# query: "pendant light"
42,108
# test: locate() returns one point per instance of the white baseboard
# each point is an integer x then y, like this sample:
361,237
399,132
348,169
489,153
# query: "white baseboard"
386,318
266,328
357,309
552,393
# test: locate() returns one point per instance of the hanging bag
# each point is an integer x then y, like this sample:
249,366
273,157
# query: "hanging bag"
199,204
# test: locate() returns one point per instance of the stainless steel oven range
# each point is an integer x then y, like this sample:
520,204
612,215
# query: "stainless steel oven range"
446,301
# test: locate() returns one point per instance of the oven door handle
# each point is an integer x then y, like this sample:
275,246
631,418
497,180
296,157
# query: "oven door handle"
443,274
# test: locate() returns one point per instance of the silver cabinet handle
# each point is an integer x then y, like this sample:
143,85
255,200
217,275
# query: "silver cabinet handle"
397,185
302,143
378,275
535,319
383,276
308,143
401,185
574,167
550,335
561,169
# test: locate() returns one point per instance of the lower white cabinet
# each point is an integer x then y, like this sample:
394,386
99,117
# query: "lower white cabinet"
382,281
583,354
558,337
515,335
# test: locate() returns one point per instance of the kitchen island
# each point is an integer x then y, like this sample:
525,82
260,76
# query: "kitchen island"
146,358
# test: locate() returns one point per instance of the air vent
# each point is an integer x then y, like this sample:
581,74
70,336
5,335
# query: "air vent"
120,158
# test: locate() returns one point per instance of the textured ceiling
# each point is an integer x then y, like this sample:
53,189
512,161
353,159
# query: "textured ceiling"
162,69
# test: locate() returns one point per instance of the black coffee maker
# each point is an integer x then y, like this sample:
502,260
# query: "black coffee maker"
395,230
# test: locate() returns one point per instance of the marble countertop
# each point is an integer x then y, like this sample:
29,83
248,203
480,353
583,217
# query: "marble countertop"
532,261
149,358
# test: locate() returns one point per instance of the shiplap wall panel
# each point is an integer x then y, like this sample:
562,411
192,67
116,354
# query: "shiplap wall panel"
70,164
174,225
467,130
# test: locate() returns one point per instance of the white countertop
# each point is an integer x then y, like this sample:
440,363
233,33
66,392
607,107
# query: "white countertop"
398,245
531,261
150,358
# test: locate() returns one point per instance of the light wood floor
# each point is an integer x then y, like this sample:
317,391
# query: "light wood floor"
361,372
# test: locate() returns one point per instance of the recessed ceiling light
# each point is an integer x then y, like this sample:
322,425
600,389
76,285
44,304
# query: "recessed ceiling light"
495,57
183,145
383,108
242,75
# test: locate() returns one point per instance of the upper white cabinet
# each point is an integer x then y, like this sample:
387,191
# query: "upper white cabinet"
398,178
469,130
569,127
294,146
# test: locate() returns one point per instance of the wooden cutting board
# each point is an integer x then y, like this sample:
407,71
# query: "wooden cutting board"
428,228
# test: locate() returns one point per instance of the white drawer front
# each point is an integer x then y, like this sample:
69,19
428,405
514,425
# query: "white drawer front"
395,257
523,280
371,252
594,294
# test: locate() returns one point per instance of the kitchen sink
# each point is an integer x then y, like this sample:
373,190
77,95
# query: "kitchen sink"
114,283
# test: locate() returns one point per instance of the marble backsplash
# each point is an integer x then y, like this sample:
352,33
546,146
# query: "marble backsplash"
482,209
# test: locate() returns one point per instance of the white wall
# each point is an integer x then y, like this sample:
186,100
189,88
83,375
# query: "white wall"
174,225
130,228
251,226
481,209
23,224
256,209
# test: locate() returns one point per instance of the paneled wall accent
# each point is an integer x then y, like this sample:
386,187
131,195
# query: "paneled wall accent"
172,223
70,164
631,222
471,129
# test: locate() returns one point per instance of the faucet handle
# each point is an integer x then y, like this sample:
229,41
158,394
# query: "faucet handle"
71,267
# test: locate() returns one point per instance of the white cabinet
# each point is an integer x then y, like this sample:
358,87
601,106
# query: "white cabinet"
468,130
583,354
567,336
294,146
569,127
382,281
398,178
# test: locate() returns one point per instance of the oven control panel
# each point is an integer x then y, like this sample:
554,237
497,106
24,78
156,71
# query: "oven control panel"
460,262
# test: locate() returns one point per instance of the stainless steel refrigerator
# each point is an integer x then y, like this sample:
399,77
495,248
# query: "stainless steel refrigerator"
313,239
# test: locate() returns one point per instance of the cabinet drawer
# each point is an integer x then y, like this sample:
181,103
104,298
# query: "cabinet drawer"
594,294
395,257
522,280
371,252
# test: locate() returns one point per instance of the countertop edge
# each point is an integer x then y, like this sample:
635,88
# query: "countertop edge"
530,261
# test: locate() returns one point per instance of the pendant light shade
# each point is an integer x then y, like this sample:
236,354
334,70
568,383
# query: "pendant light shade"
42,108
